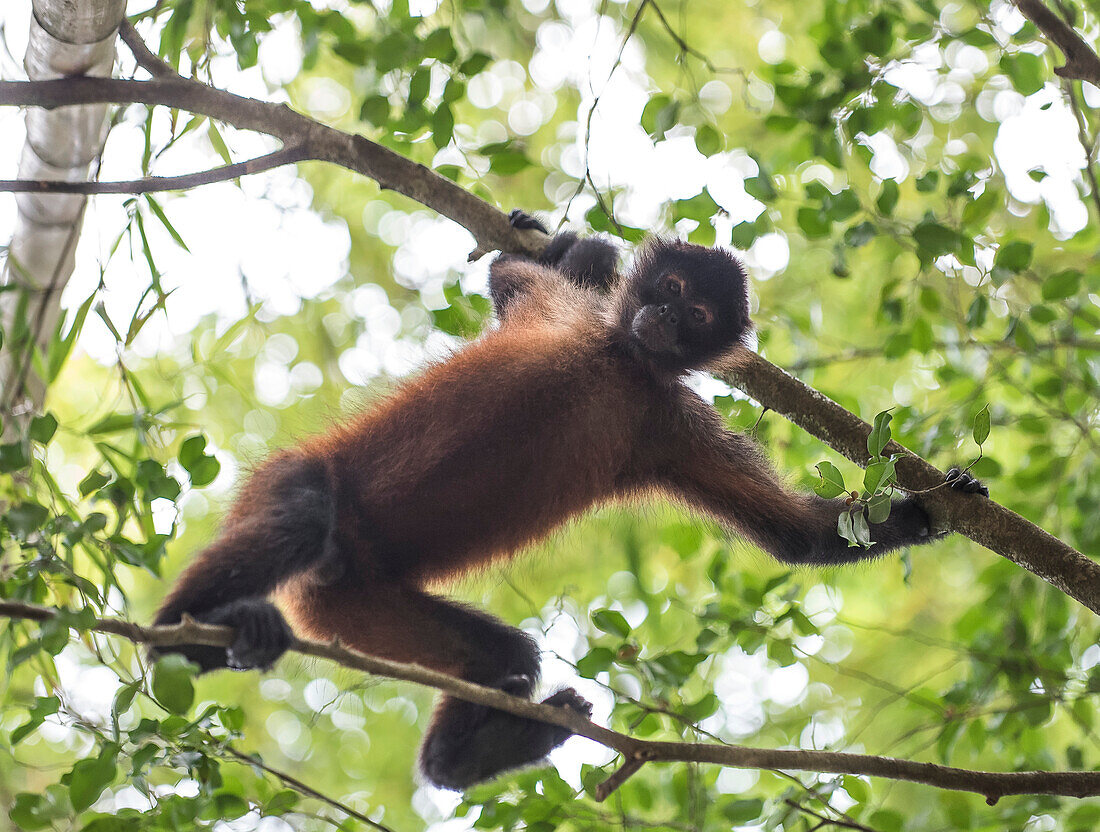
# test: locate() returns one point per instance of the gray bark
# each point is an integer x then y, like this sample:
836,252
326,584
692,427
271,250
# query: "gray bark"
67,37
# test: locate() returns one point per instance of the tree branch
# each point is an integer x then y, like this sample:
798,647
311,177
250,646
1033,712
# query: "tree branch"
149,184
982,520
1082,62
979,518
992,785
392,171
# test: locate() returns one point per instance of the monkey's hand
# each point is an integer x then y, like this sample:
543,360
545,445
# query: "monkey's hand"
522,221
958,480
962,481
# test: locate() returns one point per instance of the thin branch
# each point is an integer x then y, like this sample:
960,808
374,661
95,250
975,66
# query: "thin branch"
304,788
144,56
631,766
843,823
149,184
992,785
1082,62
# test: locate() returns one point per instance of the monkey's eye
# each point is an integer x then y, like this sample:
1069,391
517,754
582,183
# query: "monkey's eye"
673,285
700,315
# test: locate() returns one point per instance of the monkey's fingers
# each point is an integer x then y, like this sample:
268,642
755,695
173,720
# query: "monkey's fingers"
962,481
522,221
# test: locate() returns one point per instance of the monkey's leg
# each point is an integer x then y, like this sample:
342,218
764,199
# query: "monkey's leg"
465,743
281,527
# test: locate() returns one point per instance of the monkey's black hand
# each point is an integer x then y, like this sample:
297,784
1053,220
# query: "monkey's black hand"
262,633
522,221
962,481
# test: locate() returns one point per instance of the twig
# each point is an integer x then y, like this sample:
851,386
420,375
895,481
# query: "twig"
844,823
149,184
992,785
1082,62
304,788
143,54
630,767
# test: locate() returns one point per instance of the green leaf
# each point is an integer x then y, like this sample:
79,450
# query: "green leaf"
1013,257
860,529
878,507
813,222
172,685
171,229
832,481
474,64
43,707
1025,70
981,425
844,528
89,778
1062,285
124,699
375,110
218,143
858,790
611,621
597,660
878,476
888,199
935,239
200,466
879,437
741,812
440,45
43,428
443,126
418,86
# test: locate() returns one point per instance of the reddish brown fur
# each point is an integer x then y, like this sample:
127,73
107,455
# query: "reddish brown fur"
477,457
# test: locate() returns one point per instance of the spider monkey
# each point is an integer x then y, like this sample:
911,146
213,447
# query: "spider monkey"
576,398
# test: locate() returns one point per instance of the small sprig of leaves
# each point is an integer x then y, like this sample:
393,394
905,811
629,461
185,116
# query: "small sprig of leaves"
872,504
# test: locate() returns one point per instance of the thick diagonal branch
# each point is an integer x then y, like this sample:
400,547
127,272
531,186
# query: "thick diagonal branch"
992,785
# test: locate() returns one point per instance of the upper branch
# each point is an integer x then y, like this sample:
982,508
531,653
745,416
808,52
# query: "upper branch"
390,170
1082,62
992,785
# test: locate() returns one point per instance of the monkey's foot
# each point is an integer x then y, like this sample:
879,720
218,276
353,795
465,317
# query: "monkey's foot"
522,221
262,633
567,698
962,481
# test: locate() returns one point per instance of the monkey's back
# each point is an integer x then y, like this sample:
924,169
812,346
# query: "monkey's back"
483,453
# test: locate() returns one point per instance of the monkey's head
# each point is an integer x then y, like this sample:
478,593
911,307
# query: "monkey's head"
682,304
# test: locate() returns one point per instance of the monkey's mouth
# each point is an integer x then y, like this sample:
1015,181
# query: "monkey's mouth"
653,334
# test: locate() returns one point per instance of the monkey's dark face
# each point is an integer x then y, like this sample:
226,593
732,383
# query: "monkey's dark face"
684,304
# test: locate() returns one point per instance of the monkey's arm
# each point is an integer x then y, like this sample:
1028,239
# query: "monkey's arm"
725,475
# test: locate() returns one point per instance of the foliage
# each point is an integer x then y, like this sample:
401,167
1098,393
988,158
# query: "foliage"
930,280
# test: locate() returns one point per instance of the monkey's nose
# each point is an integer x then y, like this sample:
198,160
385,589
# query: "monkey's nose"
665,312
